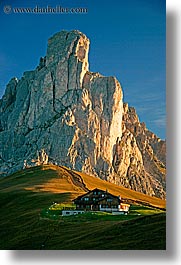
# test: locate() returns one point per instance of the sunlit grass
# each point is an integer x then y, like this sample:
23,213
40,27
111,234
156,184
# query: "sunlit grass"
55,212
143,210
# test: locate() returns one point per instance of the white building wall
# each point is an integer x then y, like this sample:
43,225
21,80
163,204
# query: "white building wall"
108,209
71,212
119,209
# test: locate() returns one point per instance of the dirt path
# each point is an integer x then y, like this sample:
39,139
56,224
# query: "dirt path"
77,179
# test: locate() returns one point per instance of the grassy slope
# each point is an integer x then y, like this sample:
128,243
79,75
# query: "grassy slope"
93,182
24,194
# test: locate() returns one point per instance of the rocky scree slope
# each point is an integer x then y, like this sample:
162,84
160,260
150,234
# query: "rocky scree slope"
79,118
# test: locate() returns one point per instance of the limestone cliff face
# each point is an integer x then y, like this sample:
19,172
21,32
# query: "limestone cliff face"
63,108
79,119
139,158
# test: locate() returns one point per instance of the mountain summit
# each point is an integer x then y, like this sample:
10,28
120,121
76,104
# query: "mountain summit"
79,119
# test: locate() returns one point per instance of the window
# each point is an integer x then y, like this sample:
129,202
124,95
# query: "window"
94,199
67,212
86,199
109,200
104,206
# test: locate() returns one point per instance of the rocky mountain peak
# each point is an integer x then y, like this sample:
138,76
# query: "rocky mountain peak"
79,119
69,49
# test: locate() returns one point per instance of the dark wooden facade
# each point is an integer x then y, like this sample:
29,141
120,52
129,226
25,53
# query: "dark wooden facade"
98,200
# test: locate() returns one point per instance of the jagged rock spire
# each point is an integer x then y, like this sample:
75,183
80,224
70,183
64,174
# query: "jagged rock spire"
77,116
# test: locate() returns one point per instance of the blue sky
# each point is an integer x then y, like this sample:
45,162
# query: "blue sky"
127,41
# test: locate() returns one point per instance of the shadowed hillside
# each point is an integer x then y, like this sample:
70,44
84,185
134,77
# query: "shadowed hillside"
24,194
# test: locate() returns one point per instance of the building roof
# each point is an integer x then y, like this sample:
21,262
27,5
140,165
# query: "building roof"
98,199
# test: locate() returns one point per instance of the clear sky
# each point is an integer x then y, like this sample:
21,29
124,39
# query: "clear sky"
127,41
